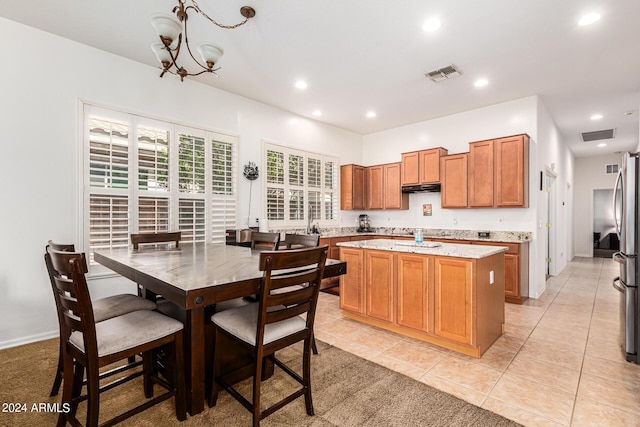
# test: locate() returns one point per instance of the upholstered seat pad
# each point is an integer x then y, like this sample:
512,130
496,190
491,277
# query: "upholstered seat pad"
128,331
117,305
242,323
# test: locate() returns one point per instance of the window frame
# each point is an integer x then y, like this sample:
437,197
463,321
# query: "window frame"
220,210
287,222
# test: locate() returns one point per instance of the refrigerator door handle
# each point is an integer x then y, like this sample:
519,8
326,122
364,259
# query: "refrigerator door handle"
617,287
617,257
615,199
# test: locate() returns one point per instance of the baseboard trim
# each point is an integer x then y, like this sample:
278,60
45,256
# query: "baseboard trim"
28,340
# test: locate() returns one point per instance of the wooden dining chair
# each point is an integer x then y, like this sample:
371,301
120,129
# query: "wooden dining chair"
89,345
272,324
103,309
297,241
162,237
265,241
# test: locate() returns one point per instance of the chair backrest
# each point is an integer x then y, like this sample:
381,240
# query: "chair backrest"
165,237
71,292
265,241
308,268
66,247
297,241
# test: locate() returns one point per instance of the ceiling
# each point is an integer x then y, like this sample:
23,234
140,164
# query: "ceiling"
362,55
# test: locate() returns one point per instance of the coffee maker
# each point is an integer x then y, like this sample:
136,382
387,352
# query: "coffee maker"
364,226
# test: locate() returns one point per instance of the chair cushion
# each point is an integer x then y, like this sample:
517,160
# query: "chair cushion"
117,305
242,323
232,303
128,331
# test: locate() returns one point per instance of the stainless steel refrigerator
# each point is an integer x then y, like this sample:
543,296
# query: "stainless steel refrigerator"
625,205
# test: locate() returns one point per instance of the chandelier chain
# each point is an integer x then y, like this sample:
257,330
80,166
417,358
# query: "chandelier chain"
213,21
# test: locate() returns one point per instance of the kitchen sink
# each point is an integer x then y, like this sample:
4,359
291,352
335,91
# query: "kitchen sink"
419,245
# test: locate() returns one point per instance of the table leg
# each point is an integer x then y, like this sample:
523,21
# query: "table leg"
194,344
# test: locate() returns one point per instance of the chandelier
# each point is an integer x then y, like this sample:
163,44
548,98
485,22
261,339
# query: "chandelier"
172,26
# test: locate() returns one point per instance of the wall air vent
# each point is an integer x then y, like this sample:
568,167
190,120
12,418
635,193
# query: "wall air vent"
598,135
443,73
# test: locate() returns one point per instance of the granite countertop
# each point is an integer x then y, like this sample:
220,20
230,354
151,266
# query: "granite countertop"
494,236
427,248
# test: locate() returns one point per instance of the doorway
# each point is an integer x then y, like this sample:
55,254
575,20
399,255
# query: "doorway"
550,238
605,239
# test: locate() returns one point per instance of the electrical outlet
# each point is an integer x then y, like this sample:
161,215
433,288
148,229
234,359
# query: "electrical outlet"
483,234
491,277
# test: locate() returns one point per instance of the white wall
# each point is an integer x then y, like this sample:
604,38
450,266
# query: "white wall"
526,115
589,175
40,148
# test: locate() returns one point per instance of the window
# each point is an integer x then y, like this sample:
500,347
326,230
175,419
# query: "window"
300,186
146,175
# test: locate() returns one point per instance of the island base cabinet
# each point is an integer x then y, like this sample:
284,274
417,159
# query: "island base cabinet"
456,303
453,294
352,283
379,280
415,300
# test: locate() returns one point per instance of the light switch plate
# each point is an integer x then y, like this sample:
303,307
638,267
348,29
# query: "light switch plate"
491,277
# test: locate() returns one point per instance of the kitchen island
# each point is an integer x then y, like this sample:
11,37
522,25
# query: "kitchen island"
451,295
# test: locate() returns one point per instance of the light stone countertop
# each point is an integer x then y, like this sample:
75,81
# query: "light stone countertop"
427,248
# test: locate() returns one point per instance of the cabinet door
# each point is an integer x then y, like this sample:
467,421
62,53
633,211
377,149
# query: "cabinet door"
352,190
512,275
411,168
352,283
454,181
481,173
414,283
393,197
511,171
375,187
379,276
430,165
453,288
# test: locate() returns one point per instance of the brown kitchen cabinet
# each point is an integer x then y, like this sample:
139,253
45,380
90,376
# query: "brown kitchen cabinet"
383,187
422,167
352,187
453,174
394,198
379,283
512,172
498,173
516,270
352,283
453,294
415,300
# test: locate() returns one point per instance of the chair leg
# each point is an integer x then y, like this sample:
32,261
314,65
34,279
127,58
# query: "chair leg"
147,369
314,347
67,391
215,372
306,374
93,393
178,378
58,379
257,379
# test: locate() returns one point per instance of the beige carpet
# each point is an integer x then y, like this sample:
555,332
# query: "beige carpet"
347,391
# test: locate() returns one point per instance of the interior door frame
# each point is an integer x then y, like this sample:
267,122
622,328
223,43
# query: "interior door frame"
551,215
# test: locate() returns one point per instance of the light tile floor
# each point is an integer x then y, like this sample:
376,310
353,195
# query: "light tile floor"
558,363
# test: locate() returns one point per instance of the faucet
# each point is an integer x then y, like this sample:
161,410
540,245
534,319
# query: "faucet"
311,229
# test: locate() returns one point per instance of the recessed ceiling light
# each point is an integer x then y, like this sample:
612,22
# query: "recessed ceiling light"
589,19
431,24
371,114
596,117
481,83
300,84
317,113
602,144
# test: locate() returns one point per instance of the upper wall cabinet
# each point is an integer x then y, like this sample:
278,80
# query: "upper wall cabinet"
422,167
453,170
352,187
394,198
498,172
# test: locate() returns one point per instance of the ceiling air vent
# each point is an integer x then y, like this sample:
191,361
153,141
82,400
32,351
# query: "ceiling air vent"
598,135
443,73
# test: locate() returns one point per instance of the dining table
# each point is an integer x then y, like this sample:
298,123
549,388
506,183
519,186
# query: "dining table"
194,277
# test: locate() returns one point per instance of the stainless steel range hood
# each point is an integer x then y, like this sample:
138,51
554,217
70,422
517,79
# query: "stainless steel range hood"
421,188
